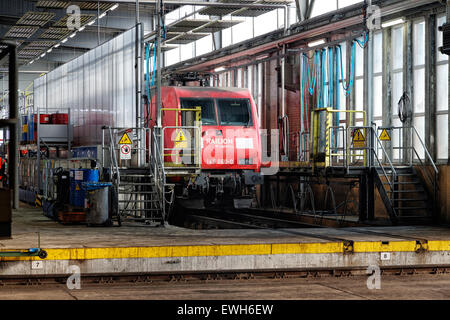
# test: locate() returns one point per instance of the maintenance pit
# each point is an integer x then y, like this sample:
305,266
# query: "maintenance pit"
139,249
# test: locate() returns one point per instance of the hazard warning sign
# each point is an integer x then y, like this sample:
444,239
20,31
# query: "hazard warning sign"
125,152
359,141
385,135
180,140
125,139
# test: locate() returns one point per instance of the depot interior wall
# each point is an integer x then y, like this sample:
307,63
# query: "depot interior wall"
99,88
406,58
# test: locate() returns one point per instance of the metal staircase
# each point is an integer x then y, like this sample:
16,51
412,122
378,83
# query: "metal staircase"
406,199
140,192
409,189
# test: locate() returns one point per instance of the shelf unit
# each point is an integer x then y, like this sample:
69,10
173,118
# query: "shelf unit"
38,167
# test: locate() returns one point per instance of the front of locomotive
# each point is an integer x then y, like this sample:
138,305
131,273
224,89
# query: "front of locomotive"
231,146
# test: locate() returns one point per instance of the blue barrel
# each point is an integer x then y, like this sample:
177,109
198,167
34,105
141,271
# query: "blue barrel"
24,128
77,178
31,126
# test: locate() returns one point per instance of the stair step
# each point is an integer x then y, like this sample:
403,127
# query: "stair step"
136,192
135,176
410,208
126,183
137,201
404,183
405,191
415,217
413,200
139,210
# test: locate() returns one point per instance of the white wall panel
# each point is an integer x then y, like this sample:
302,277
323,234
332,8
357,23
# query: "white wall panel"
99,88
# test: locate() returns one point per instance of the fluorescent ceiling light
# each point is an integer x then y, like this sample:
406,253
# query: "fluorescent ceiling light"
91,23
31,61
42,55
65,40
219,69
57,45
102,15
114,7
392,23
72,35
82,28
316,43
49,50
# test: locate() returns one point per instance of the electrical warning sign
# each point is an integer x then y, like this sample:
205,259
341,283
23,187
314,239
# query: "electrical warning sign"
385,135
125,139
359,141
181,141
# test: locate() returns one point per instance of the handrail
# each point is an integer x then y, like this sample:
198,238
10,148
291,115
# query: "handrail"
113,156
394,172
426,150
159,172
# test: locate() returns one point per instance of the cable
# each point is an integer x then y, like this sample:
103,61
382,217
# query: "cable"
404,104
363,44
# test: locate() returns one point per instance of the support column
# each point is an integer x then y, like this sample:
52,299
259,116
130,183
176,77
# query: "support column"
158,63
430,85
387,84
13,161
408,86
363,184
371,194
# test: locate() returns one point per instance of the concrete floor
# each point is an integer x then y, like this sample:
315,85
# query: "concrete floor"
417,287
27,222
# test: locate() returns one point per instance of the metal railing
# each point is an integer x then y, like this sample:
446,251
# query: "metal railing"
300,143
409,155
189,154
335,133
157,168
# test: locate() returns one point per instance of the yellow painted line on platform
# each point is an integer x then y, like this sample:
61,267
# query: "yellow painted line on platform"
397,246
230,250
302,248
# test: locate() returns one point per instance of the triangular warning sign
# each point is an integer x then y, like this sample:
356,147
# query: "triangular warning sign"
77,188
385,136
180,137
358,136
125,139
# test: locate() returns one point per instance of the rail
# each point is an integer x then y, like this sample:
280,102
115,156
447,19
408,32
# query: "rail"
191,145
433,180
157,167
408,154
394,172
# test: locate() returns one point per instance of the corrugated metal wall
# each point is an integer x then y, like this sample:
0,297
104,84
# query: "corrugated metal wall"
99,88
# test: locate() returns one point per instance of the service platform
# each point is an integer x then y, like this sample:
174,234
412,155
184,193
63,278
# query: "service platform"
143,249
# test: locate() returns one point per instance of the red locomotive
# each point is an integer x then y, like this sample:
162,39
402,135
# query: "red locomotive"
230,141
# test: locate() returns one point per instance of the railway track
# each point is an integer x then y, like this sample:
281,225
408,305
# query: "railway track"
242,219
206,276
282,222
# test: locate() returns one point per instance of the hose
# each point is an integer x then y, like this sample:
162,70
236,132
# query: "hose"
404,104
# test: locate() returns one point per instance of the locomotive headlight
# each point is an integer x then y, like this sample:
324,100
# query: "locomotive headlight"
244,143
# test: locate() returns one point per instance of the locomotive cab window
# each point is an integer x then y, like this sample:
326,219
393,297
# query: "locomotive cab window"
235,112
208,109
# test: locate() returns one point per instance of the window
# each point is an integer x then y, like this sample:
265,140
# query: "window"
326,6
378,76
359,77
397,87
419,85
441,91
234,112
208,110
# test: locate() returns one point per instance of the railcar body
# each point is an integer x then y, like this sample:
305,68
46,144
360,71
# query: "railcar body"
230,139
